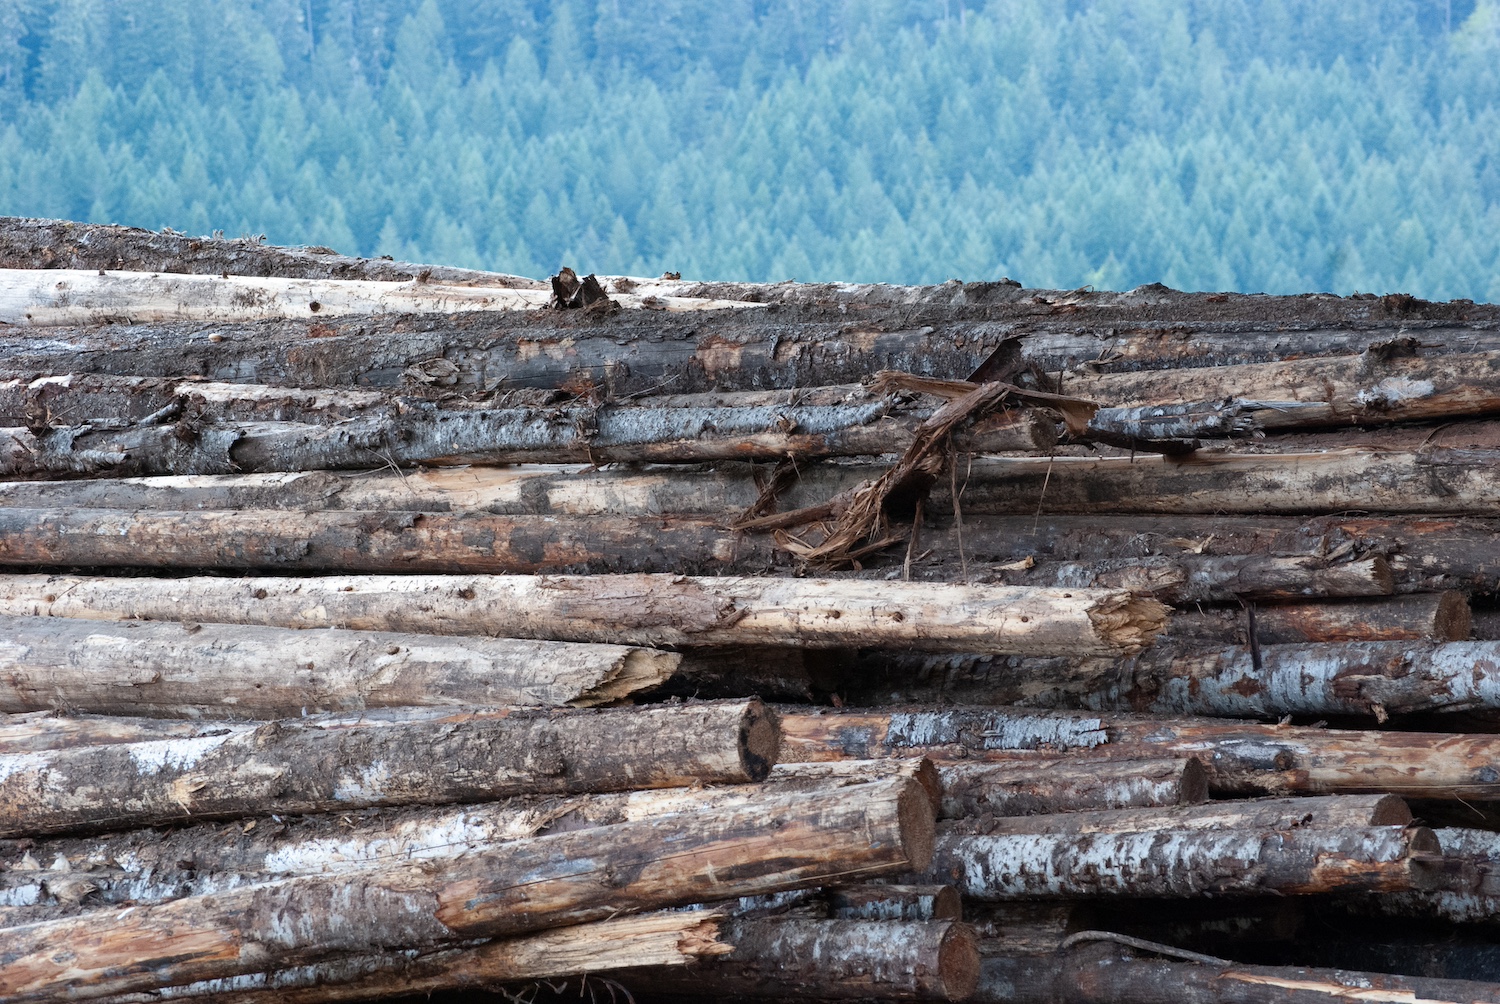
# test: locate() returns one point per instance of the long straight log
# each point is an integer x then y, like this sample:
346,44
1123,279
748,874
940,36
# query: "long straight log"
509,888
1323,811
193,670
390,758
1184,863
1242,758
1444,616
31,732
670,938
1114,975
629,609
831,960
1040,786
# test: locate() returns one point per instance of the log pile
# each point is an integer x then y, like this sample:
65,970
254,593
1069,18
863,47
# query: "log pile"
372,630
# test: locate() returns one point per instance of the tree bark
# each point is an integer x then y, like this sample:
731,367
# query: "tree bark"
1242,758
392,758
214,670
508,888
35,731
1439,617
1117,976
895,902
671,938
1321,811
1187,863
628,609
830,960
1040,786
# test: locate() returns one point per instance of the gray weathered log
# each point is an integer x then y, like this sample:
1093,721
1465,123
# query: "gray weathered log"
509,888
190,670
830,960
1039,786
394,757
30,732
1271,814
626,609
895,902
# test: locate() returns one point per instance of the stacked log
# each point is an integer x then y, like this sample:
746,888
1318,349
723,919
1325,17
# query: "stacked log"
373,630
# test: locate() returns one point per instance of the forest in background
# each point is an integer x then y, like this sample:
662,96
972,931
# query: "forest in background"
1255,145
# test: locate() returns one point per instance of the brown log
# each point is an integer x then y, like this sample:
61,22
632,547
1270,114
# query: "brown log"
1039,786
1185,863
1441,616
383,758
45,879
209,670
895,902
830,960
509,888
1242,758
628,609
1112,974
669,938
1271,814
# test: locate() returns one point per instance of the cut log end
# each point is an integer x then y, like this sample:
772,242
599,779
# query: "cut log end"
1455,618
1194,783
958,962
639,669
1391,810
918,822
1380,574
759,740
1128,622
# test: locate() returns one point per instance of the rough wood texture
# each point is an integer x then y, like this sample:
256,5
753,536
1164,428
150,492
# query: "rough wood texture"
1242,758
1270,814
1444,616
831,960
190,670
1062,785
654,939
1113,975
46,730
383,758
1184,863
508,888
895,902
628,609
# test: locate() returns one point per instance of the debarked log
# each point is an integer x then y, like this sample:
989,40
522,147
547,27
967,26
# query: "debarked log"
425,433
1037,786
29,732
667,938
1182,863
190,670
1113,974
627,609
396,757
829,960
1444,616
1321,811
507,888
1242,758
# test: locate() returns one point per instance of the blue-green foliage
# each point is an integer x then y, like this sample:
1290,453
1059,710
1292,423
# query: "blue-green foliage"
1279,145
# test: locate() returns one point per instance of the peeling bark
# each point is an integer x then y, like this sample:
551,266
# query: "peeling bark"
390,758
509,888
207,670
831,960
627,609
1038,786
1441,616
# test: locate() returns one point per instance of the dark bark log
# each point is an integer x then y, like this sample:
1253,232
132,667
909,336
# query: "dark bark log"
1114,975
1186,863
389,758
1271,814
207,670
508,888
1440,617
830,960
706,611
1242,758
1039,786
895,902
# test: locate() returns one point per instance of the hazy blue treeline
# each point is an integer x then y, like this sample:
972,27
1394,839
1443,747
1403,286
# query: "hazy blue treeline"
1279,145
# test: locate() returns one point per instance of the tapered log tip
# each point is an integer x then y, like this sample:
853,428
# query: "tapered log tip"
759,740
918,822
958,962
1128,622
1194,783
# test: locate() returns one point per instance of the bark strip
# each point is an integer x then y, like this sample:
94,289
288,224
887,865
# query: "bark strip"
509,888
628,609
394,757
191,670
